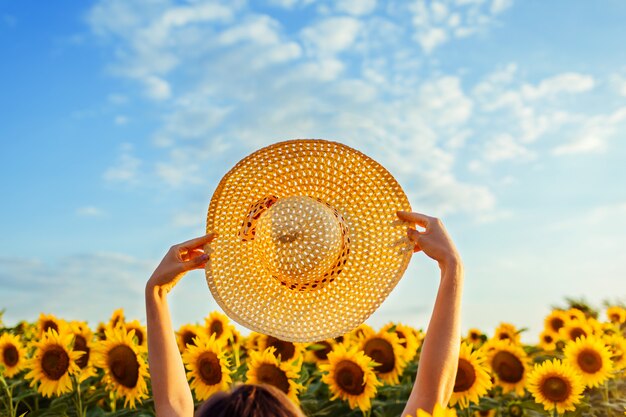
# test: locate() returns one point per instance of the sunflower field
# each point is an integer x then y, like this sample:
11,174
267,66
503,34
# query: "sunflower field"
577,367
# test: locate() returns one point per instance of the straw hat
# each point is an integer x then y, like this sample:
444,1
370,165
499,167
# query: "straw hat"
308,240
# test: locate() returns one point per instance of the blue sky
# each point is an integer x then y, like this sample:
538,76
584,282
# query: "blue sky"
505,118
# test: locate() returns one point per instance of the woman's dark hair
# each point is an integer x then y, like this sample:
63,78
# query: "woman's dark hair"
249,400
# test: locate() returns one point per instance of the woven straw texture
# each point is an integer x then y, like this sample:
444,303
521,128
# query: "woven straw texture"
307,245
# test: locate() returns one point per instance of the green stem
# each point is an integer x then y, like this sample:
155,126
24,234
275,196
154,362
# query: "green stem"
9,397
78,403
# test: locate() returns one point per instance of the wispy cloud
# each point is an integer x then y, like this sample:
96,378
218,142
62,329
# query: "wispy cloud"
90,211
126,168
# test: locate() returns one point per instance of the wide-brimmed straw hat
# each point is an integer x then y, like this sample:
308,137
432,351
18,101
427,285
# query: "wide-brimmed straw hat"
308,241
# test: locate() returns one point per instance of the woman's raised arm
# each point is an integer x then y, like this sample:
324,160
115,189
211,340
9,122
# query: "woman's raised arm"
172,396
439,359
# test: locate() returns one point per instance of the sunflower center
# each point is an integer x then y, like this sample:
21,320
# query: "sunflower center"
401,337
284,349
508,367
55,362
272,375
349,377
80,344
589,361
577,332
504,336
188,338
49,324
380,351
209,368
555,389
323,353
474,336
216,328
465,376
615,317
547,338
556,323
124,365
10,355
139,336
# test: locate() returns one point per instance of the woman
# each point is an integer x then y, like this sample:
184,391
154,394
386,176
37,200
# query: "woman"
438,362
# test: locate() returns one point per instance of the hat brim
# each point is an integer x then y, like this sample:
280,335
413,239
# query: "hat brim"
365,194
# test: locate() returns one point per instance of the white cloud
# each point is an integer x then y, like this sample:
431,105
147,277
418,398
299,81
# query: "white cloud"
126,168
596,131
498,6
85,286
117,99
504,147
331,35
618,82
120,120
438,22
356,7
90,211
431,38
562,83
157,88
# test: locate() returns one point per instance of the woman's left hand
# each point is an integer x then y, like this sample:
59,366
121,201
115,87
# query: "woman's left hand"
179,260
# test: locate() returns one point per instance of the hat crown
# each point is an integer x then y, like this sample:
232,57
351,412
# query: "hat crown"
301,242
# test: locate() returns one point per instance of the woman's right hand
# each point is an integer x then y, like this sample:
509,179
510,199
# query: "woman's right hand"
434,240
179,260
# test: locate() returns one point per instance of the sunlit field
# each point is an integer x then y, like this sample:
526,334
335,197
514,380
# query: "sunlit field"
54,367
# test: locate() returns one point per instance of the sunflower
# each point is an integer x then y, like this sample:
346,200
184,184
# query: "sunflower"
362,331
438,411
591,358
555,384
385,349
617,345
253,341
616,314
555,320
509,363
49,321
12,355
117,318
219,325
574,329
576,314
53,363
407,338
83,343
285,351
475,337
507,331
207,367
472,378
318,352
125,369
186,335
350,376
265,368
547,340
140,331
100,331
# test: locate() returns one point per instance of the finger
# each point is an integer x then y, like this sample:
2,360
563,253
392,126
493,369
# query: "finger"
186,255
197,262
414,237
198,241
417,218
